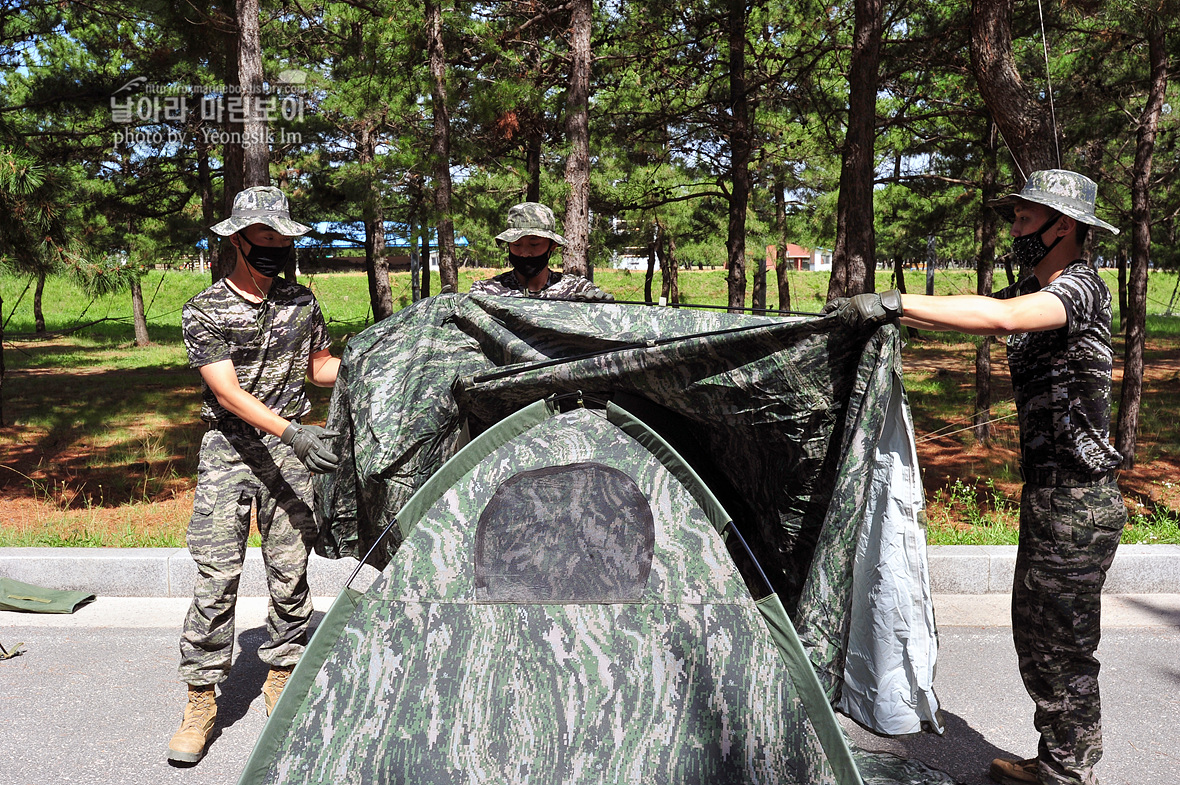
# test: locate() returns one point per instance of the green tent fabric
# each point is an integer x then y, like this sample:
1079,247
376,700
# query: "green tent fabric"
18,596
563,608
567,606
799,426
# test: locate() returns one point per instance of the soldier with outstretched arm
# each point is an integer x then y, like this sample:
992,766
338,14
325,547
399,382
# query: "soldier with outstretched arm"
255,338
1071,511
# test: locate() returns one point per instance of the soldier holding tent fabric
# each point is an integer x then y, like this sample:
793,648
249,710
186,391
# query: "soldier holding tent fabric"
255,338
1071,511
531,237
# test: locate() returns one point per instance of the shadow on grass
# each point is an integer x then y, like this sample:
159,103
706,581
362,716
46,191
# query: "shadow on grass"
146,419
114,331
152,413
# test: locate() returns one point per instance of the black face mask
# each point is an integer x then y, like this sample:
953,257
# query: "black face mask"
529,266
1029,249
268,260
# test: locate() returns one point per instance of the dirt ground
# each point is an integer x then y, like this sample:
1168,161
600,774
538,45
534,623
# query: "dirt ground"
52,477
1155,480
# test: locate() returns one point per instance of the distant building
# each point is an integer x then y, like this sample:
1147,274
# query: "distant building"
629,261
821,259
799,258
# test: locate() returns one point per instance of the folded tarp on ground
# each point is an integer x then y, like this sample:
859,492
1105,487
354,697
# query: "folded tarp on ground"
17,596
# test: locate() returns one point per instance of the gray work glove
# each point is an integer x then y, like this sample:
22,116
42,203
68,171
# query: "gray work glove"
308,443
867,310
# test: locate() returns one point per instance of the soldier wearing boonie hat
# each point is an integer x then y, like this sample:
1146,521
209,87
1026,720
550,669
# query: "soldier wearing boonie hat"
262,204
1064,191
254,337
1057,320
530,239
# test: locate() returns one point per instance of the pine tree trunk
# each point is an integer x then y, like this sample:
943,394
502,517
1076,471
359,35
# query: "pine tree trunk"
425,255
853,259
1008,273
739,151
912,333
232,178
1122,265
931,264
669,268
440,149
984,265
412,240
2,422
780,231
1172,299
534,124
1126,434
38,314
377,265
649,277
576,256
255,148
758,295
208,209
899,274
376,261
1022,120
781,263
532,163
141,331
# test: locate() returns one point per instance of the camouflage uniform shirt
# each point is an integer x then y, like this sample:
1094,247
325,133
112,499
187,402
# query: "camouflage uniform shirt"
1062,378
560,286
269,343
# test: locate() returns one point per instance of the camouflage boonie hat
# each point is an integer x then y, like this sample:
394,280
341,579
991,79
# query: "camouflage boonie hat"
530,219
1066,192
261,204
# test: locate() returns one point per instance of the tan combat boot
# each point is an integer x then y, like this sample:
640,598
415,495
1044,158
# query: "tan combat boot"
1015,772
273,688
188,744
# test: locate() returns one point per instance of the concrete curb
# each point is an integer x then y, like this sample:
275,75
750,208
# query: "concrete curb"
156,572
170,572
988,569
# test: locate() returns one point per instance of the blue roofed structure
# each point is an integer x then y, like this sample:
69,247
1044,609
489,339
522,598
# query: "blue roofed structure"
333,244
351,235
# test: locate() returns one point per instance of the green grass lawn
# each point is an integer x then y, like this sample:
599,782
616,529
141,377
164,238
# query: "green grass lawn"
98,404
344,298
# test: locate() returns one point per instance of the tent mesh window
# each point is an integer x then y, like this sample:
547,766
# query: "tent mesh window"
582,532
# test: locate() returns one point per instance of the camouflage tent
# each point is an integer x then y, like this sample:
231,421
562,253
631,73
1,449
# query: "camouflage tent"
488,647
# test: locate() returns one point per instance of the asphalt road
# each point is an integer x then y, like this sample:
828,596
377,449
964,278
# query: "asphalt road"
989,715
95,698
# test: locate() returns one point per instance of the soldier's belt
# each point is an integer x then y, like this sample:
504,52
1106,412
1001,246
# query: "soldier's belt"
1050,478
239,426
234,425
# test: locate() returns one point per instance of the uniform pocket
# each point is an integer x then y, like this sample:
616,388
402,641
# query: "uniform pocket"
1109,511
199,537
205,497
1062,609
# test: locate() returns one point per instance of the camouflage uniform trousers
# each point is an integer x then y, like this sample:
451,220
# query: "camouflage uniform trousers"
236,471
1068,537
